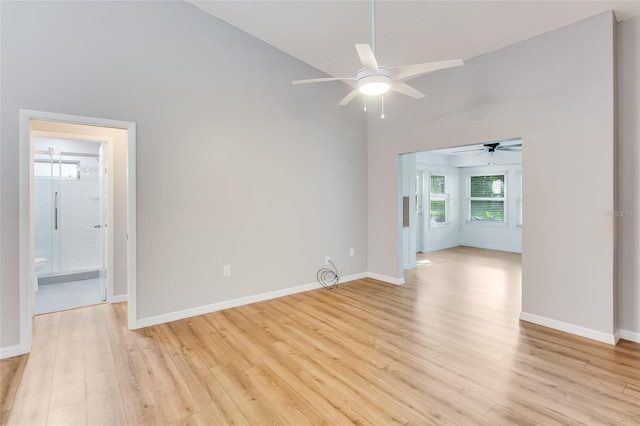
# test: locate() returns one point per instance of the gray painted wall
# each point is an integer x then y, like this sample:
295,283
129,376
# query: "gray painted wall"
235,165
628,174
556,91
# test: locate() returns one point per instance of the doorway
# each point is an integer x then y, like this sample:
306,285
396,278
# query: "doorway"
112,163
71,206
462,196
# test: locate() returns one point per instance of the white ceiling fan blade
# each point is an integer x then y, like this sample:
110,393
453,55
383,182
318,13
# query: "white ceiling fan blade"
469,150
320,80
405,89
349,97
367,58
407,72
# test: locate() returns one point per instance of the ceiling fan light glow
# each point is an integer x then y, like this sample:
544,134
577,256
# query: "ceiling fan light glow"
374,85
374,88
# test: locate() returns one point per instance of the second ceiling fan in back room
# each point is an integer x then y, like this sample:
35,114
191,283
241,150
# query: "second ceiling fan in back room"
506,145
375,80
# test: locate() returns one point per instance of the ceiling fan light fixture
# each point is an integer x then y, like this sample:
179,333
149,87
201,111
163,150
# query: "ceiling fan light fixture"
374,85
374,89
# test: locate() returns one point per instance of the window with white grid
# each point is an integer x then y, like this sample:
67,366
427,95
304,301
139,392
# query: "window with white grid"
439,203
487,198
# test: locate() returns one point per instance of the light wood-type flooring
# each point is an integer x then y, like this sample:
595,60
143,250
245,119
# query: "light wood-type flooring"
446,349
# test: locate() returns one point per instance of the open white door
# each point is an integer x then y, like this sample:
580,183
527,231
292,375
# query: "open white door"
102,226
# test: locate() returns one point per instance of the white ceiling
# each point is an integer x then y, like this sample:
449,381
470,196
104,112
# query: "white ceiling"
323,33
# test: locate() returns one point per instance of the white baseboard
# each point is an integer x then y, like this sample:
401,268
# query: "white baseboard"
353,277
214,307
494,247
118,299
440,247
386,279
610,338
632,336
11,351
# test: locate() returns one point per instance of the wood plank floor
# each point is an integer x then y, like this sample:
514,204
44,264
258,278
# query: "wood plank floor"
445,349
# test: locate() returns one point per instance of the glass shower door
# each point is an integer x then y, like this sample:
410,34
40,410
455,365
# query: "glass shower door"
47,212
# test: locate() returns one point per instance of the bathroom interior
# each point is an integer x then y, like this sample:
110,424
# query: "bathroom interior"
69,236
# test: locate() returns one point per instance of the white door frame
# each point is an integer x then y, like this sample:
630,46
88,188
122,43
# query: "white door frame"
420,210
26,231
105,219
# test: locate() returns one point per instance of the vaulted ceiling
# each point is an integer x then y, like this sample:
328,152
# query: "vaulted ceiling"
323,33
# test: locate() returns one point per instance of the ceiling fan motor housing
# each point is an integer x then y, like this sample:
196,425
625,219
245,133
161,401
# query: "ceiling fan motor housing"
491,147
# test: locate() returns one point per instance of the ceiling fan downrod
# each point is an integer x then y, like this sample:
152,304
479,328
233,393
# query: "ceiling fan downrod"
373,26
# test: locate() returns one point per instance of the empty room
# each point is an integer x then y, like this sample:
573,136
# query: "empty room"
319,212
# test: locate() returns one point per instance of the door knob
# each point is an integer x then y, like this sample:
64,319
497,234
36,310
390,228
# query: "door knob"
97,226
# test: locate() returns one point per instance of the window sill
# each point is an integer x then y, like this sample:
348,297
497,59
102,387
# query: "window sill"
439,225
487,224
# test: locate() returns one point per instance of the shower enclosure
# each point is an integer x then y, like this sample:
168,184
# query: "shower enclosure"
69,210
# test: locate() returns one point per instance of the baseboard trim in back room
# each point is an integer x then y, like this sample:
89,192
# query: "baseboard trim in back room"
11,351
118,299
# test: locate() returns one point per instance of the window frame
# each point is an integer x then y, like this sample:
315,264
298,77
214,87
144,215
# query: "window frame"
446,197
504,199
57,163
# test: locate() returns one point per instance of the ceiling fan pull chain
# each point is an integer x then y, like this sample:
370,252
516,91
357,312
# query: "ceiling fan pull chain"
382,106
365,103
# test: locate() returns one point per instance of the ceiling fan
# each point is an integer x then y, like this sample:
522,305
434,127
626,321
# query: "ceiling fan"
493,147
374,79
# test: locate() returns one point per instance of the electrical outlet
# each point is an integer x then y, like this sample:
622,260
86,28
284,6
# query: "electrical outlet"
226,271
326,260
352,252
